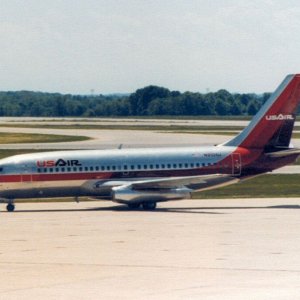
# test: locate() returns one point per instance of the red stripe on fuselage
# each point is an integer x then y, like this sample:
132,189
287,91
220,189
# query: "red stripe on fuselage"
112,175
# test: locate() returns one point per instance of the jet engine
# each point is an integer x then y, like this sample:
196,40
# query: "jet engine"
126,194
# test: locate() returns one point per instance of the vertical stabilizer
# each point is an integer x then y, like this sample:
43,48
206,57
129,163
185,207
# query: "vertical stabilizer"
272,126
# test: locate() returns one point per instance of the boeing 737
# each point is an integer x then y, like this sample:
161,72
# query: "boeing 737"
143,177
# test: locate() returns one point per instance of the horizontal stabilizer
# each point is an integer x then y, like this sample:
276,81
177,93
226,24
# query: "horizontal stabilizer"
284,153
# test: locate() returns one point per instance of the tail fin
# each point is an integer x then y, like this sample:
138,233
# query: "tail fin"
272,126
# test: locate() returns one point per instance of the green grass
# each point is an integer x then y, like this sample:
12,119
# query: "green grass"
16,138
10,152
133,118
231,133
296,135
125,127
269,185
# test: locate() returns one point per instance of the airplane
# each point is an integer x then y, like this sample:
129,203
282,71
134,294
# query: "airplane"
144,177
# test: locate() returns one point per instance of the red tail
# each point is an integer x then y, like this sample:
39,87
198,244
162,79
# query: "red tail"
273,124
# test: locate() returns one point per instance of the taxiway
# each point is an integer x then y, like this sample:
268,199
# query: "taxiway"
192,249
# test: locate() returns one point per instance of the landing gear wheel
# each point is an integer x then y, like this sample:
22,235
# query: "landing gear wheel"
133,205
10,207
149,205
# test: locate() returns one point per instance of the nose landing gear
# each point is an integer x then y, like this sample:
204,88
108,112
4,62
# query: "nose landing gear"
10,207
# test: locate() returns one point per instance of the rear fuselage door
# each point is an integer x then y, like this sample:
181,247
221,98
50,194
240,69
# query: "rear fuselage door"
236,163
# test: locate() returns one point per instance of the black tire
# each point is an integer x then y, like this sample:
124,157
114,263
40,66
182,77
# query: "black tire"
149,205
134,205
10,207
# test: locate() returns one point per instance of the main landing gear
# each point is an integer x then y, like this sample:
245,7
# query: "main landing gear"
149,205
145,205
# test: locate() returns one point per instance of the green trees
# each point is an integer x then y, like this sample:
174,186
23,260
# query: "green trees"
140,100
148,101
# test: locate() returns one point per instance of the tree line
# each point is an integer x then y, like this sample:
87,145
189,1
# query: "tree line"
148,101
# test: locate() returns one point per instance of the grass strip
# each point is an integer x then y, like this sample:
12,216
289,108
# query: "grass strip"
125,127
16,138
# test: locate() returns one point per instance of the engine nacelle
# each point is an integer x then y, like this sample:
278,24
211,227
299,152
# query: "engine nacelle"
125,194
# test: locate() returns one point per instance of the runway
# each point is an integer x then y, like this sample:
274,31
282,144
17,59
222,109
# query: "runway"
191,249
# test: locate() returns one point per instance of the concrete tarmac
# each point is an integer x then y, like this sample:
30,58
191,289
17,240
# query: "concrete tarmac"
191,249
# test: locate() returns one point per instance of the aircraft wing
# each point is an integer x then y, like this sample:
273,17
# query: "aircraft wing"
202,182
165,189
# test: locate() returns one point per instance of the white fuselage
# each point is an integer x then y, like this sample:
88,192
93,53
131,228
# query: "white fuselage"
95,172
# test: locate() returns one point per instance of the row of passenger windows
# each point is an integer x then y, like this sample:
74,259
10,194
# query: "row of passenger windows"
126,167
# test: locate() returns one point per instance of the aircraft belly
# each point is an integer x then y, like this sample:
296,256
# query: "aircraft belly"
42,189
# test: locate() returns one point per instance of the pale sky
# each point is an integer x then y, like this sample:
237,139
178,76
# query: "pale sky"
74,46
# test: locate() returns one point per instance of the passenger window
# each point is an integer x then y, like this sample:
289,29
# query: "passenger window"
132,167
86,168
145,167
75,169
162,166
174,166
102,168
168,166
192,165
69,169
186,165
91,168
157,166
51,170
125,167
63,169
108,168
180,165
113,167
45,170
56,169
151,166
97,168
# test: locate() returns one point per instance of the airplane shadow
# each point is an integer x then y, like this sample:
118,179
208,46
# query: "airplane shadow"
121,208
213,210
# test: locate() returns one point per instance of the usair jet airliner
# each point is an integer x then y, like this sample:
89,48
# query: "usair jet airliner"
143,177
